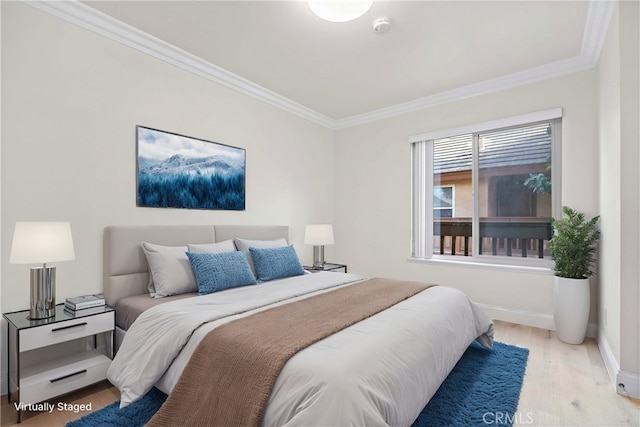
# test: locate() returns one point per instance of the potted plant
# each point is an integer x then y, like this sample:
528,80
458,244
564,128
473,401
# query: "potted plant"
573,248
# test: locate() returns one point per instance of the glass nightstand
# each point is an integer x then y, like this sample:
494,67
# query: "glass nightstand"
328,266
36,373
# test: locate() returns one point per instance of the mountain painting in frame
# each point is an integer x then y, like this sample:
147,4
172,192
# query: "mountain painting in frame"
177,171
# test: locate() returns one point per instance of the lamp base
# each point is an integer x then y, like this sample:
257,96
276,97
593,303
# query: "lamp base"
318,256
43,293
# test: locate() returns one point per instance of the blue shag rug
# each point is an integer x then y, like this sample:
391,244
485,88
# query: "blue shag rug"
483,388
136,414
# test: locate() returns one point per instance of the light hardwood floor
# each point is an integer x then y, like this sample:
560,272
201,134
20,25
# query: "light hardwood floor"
564,385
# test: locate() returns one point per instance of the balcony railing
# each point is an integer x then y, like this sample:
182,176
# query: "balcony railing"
504,234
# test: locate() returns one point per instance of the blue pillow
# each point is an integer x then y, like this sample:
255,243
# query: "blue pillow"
217,272
276,263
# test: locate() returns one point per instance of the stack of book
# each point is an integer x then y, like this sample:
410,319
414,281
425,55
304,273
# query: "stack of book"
85,304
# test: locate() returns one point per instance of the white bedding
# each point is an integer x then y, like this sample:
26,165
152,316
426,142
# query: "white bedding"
381,371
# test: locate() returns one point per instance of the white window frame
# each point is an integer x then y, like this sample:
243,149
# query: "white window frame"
453,199
422,188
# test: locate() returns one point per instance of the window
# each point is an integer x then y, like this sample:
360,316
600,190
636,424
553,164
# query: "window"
485,191
444,201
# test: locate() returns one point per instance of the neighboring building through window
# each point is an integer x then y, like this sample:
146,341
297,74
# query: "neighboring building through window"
444,199
509,166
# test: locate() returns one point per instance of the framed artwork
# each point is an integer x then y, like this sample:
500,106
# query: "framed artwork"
177,171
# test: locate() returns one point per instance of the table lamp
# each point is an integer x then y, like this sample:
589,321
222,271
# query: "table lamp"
318,235
40,243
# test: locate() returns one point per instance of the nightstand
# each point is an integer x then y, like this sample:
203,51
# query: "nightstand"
40,369
328,266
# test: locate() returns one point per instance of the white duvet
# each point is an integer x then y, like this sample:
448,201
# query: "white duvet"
381,371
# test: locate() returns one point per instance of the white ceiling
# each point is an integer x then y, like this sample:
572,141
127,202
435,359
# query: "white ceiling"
343,72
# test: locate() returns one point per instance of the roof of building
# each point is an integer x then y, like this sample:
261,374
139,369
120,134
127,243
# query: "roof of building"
512,147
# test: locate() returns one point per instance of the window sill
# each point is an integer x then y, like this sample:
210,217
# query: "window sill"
544,267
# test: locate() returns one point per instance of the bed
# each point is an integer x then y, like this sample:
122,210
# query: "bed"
379,371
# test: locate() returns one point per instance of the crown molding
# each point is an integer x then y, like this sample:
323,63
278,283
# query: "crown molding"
595,29
100,23
598,19
531,75
595,32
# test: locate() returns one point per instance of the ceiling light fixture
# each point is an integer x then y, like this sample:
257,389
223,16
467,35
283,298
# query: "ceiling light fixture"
340,10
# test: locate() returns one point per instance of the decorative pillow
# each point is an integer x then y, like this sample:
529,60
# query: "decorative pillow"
213,248
244,245
276,263
217,272
169,270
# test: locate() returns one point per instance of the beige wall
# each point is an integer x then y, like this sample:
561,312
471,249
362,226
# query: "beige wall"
462,192
630,200
71,100
610,189
619,90
373,195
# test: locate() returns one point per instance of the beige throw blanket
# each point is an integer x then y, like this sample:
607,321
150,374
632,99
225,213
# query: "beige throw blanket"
229,378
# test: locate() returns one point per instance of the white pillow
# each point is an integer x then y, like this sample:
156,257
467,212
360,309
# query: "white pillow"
213,248
170,272
244,245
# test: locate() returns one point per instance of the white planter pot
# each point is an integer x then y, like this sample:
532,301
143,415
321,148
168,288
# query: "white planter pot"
571,304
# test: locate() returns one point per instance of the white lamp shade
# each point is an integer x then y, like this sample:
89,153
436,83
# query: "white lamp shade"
339,10
41,242
318,234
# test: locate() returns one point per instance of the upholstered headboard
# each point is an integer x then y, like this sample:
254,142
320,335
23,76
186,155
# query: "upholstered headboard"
125,266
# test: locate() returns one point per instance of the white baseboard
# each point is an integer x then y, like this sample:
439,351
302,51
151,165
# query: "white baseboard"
609,359
623,382
521,317
528,318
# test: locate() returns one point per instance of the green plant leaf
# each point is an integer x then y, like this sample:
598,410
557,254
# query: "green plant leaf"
574,243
